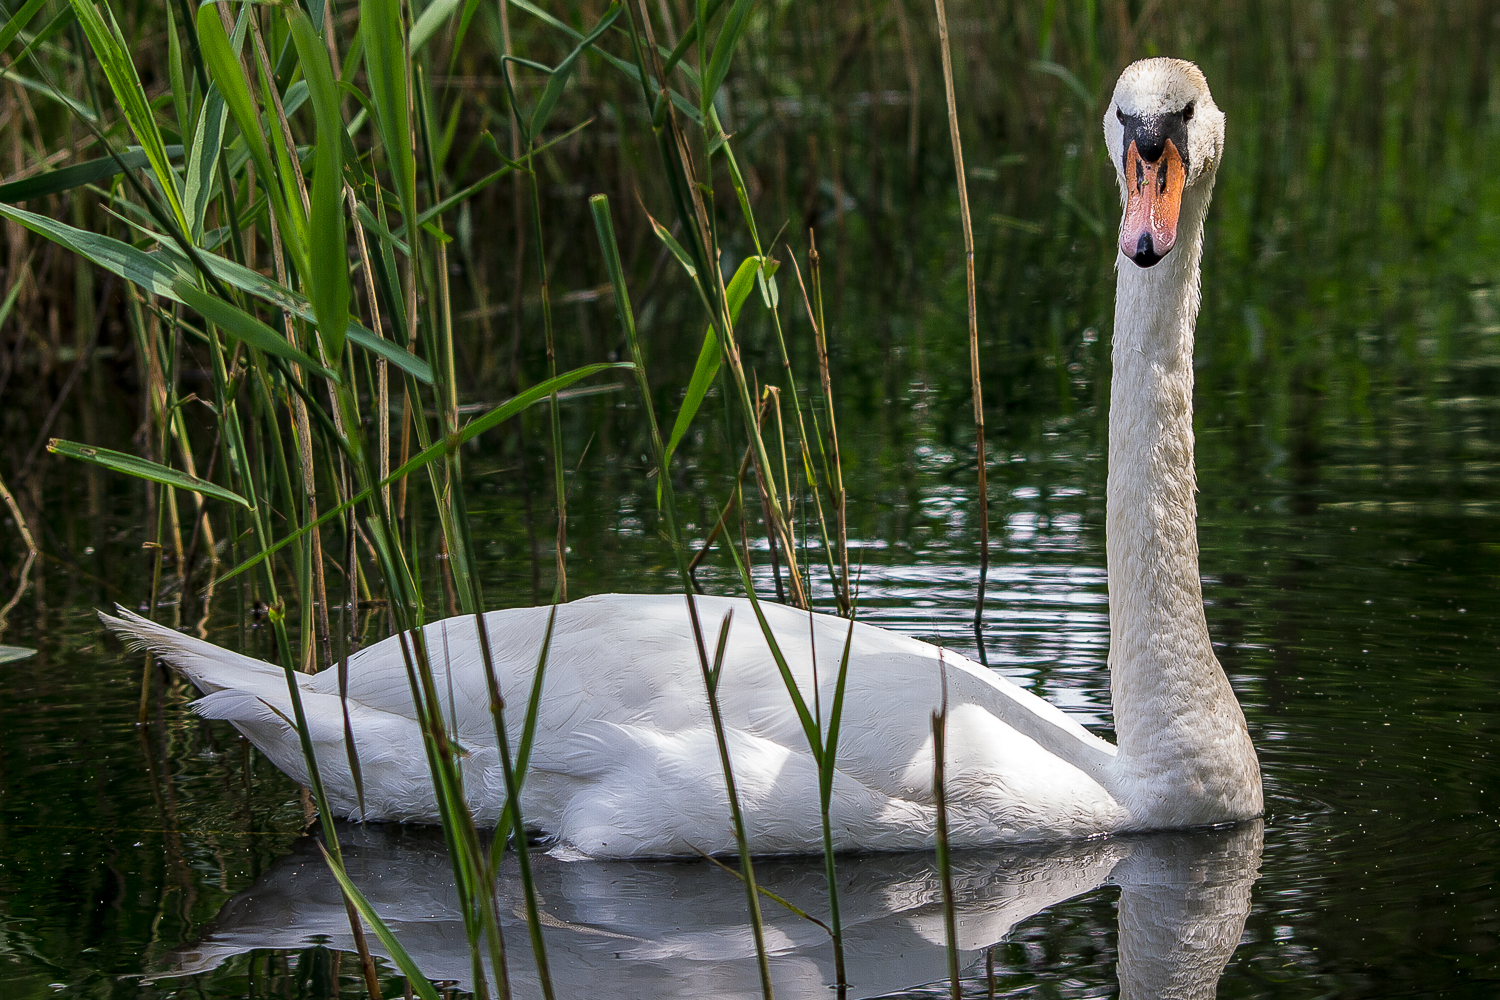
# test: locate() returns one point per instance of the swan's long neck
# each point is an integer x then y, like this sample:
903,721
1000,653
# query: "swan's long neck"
1184,754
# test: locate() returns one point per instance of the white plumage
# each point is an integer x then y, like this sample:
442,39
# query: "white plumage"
626,763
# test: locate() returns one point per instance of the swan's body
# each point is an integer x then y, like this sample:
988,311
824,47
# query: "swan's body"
626,762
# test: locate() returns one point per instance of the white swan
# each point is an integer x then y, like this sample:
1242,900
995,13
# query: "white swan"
625,762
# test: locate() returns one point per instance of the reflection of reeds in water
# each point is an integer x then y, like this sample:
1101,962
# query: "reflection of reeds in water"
677,929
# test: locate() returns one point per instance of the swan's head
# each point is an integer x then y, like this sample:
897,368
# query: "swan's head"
1165,136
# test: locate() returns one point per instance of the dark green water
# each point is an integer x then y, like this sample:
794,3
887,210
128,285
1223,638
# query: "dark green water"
1349,463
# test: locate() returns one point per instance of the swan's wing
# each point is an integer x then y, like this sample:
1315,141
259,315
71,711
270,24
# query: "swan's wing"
392,758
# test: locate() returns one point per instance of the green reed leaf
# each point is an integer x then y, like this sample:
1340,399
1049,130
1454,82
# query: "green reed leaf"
386,67
328,274
510,165
378,229
60,20
224,67
394,353
81,110
140,468
689,36
682,103
1066,76
498,415
237,323
10,654
414,977
79,174
161,271
18,21
119,69
431,19
203,158
735,23
146,270
815,743
683,257
710,354
182,97
547,103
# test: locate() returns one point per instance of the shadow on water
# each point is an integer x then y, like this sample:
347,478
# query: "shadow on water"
677,929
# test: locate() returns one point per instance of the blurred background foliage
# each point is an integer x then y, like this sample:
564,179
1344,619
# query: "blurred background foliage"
1354,182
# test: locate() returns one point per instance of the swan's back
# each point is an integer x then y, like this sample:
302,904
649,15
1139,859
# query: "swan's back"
626,761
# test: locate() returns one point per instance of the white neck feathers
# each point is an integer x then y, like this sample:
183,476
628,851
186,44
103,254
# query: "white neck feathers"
1185,757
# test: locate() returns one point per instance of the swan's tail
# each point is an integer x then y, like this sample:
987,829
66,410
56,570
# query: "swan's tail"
212,668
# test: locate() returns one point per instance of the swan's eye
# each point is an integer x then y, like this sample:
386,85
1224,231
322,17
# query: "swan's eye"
1120,115
1187,112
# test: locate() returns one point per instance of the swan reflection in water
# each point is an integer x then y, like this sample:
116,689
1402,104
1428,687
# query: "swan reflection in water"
678,929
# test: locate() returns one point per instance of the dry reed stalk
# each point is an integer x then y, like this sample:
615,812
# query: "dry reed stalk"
968,228
840,512
718,302
382,381
31,552
302,425
735,491
835,548
913,82
944,859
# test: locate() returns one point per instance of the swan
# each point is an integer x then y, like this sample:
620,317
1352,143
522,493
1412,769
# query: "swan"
625,762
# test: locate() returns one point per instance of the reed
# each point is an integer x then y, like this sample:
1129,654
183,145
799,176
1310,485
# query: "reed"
271,170
967,225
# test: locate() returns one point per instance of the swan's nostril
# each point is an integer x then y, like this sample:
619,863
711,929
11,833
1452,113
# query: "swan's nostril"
1145,251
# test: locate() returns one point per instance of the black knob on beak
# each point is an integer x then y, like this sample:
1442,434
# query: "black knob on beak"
1150,133
1145,251
1151,141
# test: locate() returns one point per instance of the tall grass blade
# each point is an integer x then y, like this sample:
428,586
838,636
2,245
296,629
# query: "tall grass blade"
329,260
690,36
634,72
79,174
223,65
18,21
62,19
203,159
113,255
119,69
140,468
799,704
735,23
559,78
710,355
386,66
975,388
238,323
710,681
430,21
432,453
944,859
80,109
414,977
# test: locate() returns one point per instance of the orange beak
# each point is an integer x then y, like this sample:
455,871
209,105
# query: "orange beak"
1151,208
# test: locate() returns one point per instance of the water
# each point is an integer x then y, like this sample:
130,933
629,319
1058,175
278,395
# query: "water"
1349,423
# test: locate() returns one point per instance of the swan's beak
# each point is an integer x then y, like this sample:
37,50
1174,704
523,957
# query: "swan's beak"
1155,198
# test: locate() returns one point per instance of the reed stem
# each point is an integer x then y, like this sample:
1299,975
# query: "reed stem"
968,231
